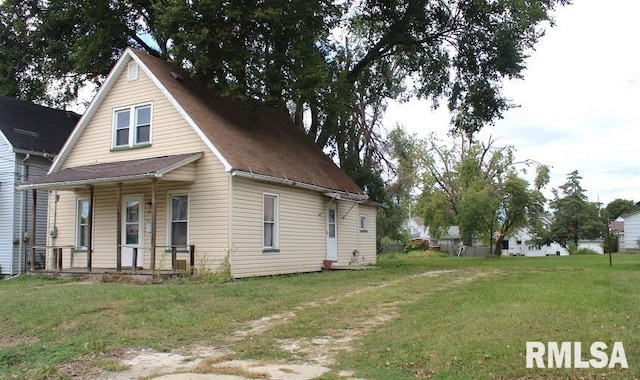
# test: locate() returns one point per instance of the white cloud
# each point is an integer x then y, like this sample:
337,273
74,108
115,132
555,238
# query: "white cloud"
578,101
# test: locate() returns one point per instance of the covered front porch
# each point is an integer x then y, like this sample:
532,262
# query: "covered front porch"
114,227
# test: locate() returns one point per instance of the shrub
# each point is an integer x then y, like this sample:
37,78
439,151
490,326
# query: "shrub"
423,253
416,245
574,250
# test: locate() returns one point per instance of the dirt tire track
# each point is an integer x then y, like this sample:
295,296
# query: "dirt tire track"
316,353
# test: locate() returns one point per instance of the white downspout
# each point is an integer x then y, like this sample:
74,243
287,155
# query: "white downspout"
53,233
23,211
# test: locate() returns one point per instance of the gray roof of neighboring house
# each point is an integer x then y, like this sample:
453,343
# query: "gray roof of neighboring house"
453,232
34,128
418,220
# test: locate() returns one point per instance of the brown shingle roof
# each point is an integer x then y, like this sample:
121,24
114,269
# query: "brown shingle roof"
113,171
252,138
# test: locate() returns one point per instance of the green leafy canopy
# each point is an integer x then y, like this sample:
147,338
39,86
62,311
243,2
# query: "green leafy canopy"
331,65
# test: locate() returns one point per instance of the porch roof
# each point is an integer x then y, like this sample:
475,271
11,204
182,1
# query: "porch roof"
111,172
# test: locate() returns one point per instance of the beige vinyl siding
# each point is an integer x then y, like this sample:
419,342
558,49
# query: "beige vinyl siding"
170,133
348,231
367,239
61,216
208,230
302,230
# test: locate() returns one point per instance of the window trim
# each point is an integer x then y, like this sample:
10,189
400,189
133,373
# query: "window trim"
170,195
364,218
275,247
78,246
132,127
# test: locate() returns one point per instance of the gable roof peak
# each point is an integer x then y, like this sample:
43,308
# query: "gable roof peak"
248,135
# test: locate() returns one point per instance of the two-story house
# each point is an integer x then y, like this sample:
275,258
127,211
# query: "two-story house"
162,173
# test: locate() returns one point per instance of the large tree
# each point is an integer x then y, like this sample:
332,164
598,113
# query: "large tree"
618,207
332,65
477,187
575,217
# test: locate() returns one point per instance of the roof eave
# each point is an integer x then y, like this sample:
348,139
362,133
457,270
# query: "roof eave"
179,164
85,182
34,153
88,114
262,177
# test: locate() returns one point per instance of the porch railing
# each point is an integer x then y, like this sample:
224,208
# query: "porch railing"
174,249
56,261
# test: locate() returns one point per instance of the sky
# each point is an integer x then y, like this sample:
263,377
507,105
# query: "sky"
579,102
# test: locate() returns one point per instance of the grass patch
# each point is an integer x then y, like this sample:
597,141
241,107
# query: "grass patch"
394,321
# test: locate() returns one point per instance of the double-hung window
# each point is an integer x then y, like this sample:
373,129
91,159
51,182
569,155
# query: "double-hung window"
270,222
364,227
178,219
82,224
132,126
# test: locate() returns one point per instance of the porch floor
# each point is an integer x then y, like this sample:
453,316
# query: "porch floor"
112,275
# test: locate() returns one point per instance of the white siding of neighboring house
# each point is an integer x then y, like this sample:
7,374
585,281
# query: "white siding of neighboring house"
528,248
632,231
7,177
522,244
417,230
34,166
594,245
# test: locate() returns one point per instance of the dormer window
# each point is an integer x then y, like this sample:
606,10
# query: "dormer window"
132,126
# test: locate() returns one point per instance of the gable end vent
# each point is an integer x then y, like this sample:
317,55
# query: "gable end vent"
132,71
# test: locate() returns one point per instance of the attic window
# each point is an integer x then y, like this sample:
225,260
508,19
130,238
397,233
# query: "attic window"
26,133
132,126
132,71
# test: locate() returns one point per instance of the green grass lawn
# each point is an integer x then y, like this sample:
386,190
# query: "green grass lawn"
470,323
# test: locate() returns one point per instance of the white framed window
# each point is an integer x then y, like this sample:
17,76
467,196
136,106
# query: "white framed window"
82,224
364,226
178,225
132,126
270,238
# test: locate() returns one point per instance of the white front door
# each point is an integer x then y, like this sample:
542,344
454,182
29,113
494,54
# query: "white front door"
132,229
332,232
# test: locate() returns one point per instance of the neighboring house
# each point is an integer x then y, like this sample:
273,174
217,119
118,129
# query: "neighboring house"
417,229
630,237
30,138
616,227
522,243
450,238
592,244
159,163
